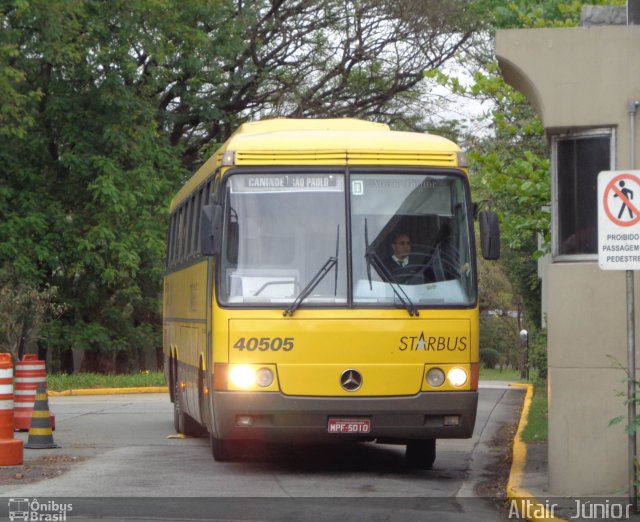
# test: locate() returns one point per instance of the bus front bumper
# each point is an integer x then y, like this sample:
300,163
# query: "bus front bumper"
277,417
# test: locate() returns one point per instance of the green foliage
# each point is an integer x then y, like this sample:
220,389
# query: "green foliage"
542,13
511,168
500,334
85,191
538,353
634,425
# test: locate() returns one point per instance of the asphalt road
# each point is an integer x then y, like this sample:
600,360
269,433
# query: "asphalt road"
124,462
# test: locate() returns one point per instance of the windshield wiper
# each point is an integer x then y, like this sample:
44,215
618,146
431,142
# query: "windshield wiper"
374,260
366,249
315,280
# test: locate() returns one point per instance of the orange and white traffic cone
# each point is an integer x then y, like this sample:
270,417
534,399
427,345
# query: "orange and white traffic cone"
11,452
40,435
30,372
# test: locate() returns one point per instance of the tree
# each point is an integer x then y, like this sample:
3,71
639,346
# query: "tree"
321,58
109,105
498,328
23,311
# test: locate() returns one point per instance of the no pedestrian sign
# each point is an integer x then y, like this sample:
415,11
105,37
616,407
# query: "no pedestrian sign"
619,220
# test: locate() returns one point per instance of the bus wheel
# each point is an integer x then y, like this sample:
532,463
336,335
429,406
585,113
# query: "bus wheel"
182,422
421,453
226,450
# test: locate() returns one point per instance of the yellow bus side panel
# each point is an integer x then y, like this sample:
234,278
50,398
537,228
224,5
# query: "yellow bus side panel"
185,314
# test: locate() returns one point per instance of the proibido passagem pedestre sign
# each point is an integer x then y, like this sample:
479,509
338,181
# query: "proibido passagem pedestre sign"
619,220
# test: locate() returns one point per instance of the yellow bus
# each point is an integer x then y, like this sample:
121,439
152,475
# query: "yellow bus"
321,286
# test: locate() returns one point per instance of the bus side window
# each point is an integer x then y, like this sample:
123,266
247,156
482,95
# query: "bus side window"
174,239
207,193
170,242
196,222
181,234
187,229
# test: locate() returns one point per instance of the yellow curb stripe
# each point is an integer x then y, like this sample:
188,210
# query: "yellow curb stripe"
40,431
109,391
527,503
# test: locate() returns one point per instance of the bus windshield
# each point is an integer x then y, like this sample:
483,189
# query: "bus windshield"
286,235
281,230
412,231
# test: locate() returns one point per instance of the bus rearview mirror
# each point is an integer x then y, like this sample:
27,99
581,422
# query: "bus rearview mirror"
489,234
211,229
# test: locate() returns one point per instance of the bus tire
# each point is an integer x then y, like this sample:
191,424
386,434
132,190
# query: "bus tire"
224,450
182,422
177,409
421,453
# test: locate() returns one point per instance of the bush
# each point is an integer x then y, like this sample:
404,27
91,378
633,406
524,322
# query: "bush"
538,354
489,357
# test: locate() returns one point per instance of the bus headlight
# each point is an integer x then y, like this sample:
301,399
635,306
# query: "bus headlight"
242,376
435,377
264,377
457,377
245,376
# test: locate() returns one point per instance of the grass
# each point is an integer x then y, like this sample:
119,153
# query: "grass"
536,429
63,381
495,374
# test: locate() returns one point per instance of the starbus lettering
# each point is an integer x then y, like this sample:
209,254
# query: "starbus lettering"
432,343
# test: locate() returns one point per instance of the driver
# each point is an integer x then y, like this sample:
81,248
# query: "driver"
400,265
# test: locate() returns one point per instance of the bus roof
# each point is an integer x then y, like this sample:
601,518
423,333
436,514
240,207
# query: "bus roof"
310,124
283,141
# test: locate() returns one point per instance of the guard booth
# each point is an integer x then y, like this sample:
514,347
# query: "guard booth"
581,82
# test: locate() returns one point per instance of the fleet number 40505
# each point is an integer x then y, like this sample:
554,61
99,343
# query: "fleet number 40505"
264,344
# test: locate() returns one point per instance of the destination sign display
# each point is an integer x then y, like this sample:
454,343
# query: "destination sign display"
287,183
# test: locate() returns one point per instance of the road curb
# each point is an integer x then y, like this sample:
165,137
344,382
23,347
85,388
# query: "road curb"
527,504
109,391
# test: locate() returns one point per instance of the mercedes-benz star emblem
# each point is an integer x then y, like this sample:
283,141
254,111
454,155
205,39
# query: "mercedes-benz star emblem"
351,380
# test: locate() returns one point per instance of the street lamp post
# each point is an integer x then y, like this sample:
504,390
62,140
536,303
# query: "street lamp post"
524,337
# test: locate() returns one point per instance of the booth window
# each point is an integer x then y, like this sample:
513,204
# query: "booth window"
577,159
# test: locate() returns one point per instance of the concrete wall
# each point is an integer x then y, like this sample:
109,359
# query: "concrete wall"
587,335
576,79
